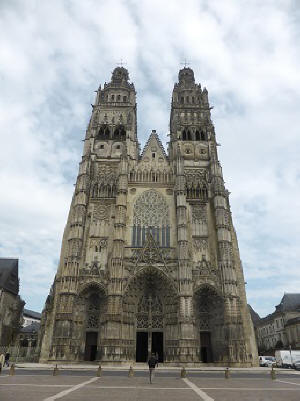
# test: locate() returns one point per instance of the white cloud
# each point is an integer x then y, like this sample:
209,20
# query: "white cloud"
55,54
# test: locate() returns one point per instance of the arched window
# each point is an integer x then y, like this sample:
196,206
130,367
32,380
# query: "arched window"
95,191
100,133
24,342
151,216
197,135
189,135
103,133
184,136
123,133
202,136
120,133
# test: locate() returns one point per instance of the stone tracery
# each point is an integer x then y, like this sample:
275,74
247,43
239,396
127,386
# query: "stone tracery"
151,215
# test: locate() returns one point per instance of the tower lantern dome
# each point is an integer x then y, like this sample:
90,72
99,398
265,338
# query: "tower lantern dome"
119,74
186,75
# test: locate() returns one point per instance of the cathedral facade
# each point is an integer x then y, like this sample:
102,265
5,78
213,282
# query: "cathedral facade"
150,259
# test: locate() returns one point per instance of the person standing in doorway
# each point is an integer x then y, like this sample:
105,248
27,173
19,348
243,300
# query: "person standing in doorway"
152,363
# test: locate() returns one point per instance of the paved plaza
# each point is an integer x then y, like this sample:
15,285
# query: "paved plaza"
36,384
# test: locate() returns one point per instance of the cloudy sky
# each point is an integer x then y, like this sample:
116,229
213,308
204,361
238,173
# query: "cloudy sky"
53,55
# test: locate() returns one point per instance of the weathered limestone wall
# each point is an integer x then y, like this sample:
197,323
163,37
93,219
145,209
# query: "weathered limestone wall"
11,308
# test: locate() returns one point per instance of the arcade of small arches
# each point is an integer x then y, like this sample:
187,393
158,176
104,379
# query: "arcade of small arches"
116,98
193,135
105,133
189,99
104,190
151,175
197,191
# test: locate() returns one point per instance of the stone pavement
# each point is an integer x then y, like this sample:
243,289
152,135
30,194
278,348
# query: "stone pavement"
41,385
138,366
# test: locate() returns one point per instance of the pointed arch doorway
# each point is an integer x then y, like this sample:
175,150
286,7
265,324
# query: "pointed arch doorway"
149,328
209,314
150,308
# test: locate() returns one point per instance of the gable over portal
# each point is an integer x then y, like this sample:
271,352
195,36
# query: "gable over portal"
153,165
153,153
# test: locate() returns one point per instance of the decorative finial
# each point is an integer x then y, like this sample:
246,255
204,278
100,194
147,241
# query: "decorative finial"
121,63
185,63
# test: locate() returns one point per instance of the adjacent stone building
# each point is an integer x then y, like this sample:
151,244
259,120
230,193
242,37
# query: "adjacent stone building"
280,329
149,259
28,335
30,316
11,305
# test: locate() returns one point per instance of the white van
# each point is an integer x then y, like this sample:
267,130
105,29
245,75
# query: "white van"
285,359
268,361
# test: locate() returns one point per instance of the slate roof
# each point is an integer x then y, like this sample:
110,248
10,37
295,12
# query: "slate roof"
254,315
289,302
31,313
9,275
31,328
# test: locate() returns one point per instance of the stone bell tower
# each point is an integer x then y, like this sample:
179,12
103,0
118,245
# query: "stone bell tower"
149,259
213,300
88,280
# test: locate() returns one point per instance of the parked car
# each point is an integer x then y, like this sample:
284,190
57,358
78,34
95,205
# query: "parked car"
296,365
267,361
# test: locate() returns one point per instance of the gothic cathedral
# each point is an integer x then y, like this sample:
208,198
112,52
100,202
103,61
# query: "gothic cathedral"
150,259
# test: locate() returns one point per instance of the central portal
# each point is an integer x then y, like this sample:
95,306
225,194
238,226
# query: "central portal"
147,343
150,306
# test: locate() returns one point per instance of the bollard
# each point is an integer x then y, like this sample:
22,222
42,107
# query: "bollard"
183,372
227,373
273,373
131,371
12,370
55,371
99,371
